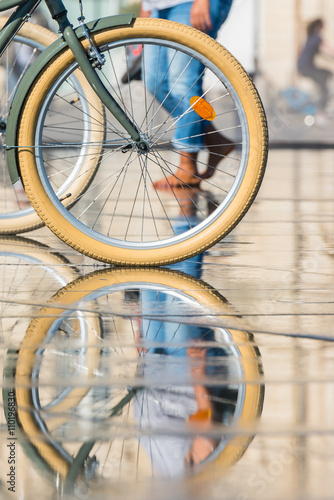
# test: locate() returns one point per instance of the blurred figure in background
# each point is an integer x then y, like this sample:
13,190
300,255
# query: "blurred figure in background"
315,45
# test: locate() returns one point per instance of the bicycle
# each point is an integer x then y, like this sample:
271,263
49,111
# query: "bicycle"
16,214
292,108
93,437
122,218
30,41
51,269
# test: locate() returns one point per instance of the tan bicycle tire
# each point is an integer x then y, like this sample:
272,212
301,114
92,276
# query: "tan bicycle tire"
199,242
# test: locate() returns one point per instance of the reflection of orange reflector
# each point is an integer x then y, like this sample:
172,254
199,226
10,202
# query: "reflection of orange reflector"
202,108
200,415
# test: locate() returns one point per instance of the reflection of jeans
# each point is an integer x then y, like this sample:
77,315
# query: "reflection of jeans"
174,78
172,334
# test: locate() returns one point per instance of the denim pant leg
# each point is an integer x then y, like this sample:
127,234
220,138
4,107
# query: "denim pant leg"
190,129
173,77
219,10
172,335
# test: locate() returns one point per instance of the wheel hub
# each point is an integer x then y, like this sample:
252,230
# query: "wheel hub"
142,146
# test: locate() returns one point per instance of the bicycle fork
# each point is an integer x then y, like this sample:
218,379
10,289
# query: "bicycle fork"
59,14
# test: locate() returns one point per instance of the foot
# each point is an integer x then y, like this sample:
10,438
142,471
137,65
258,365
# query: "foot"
219,147
186,175
180,180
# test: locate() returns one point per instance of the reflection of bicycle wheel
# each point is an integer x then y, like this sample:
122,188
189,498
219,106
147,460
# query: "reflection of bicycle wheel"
124,218
16,214
51,270
113,432
41,271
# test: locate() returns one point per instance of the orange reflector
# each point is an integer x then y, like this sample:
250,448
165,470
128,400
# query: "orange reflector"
202,108
200,415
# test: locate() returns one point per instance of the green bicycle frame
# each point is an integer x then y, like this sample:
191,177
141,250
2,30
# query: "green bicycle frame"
70,38
16,20
8,4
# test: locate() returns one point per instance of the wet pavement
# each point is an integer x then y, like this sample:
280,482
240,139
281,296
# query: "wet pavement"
211,379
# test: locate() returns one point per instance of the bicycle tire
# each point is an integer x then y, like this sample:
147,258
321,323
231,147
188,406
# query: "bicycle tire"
33,425
16,214
29,250
53,268
95,237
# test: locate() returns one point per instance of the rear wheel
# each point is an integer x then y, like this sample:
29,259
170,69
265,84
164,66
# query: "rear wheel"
143,206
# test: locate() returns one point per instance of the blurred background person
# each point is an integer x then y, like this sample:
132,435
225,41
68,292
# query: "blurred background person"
313,46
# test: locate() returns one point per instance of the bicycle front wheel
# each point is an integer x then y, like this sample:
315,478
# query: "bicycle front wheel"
194,103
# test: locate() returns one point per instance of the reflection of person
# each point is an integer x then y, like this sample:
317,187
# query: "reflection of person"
197,405
214,404
192,134
306,63
175,355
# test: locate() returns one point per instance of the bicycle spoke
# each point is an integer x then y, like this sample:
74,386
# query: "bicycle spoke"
182,185
203,163
120,190
177,118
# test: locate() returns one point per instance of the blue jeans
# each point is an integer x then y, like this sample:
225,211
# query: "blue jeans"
166,332
173,78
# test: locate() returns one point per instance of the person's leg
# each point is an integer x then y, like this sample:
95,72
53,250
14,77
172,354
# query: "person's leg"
168,75
218,145
176,86
320,77
219,10
184,81
191,131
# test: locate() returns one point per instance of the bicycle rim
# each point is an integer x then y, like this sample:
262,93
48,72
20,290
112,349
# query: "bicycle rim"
124,217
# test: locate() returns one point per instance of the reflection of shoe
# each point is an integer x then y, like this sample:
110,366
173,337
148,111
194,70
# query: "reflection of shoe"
131,296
